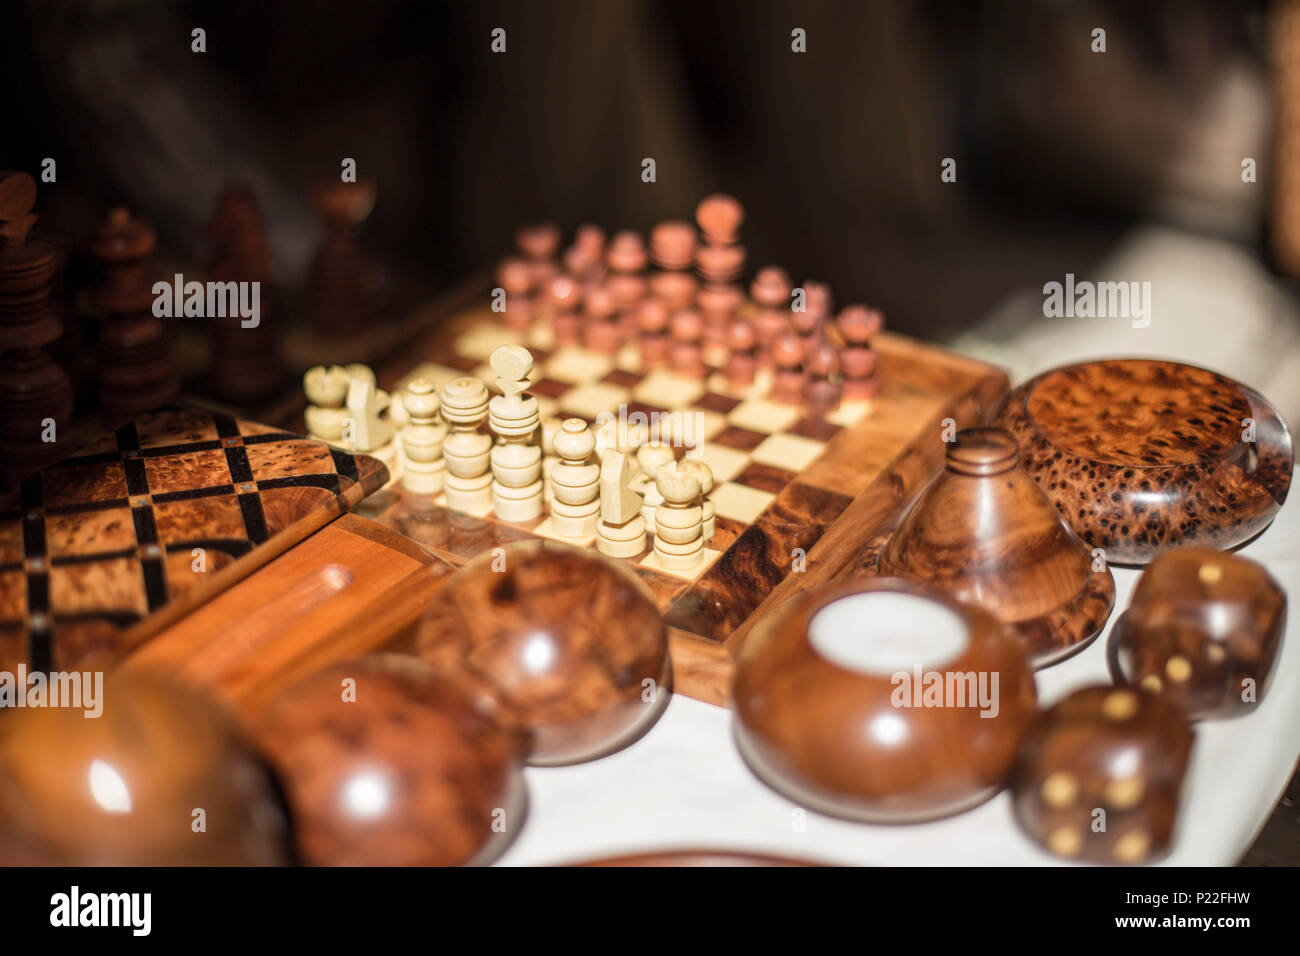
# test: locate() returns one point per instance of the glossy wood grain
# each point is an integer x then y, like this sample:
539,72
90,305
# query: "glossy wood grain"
389,764
1140,456
835,739
1204,628
1099,776
985,533
566,643
160,778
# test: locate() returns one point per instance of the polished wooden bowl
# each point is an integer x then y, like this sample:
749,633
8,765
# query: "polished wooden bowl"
985,533
1204,628
160,778
1140,456
831,708
567,644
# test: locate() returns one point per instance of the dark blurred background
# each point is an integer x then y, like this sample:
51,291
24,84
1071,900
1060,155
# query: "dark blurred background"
836,152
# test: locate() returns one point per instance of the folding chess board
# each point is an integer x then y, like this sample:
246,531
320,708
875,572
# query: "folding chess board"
799,496
142,524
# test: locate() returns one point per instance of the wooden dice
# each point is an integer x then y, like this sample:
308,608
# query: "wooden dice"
1204,628
387,764
882,700
1098,777
159,778
568,644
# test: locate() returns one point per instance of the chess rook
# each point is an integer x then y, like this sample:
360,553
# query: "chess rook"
514,417
466,451
575,482
424,469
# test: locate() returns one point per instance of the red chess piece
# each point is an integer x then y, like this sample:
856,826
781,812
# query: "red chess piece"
565,295
516,278
787,357
686,329
742,362
600,332
652,321
719,217
858,325
822,390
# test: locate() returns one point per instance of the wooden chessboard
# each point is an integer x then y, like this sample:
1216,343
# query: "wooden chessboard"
793,490
143,524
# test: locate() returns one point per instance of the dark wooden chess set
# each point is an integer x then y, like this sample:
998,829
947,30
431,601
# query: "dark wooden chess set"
615,474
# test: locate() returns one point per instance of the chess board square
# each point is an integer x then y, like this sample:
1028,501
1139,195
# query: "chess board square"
540,338
725,463
762,415
545,530
550,387
13,607
588,401
667,389
628,359
620,376
484,338
437,375
850,413
89,532
740,502
174,427
195,469
114,586
816,428
765,477
716,402
791,452
482,511
691,427
83,483
11,541
739,438
578,365
651,563
219,516
463,363
281,459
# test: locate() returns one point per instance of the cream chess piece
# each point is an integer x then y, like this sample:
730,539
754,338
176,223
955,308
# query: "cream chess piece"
468,480
326,388
679,521
514,416
550,428
422,440
366,428
708,509
620,532
575,482
648,458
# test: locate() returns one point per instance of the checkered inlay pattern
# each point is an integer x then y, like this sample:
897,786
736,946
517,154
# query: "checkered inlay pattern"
106,537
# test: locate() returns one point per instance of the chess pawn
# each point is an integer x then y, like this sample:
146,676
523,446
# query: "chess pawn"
708,510
575,482
742,363
514,416
822,390
539,244
649,458
466,451
422,440
626,258
787,356
858,325
686,355
600,333
326,388
564,296
551,426
770,291
651,322
679,520
621,531
515,277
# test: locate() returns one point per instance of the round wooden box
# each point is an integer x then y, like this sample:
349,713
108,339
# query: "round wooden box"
1140,456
